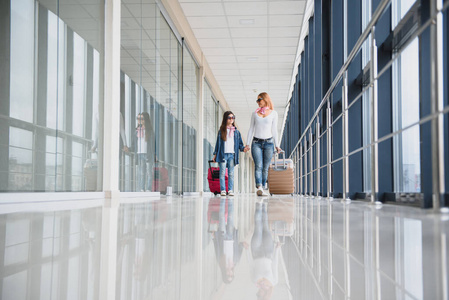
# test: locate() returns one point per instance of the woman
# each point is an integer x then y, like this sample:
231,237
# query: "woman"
263,133
143,145
226,153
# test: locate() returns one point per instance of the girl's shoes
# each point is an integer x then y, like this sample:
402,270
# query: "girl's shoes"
231,193
223,193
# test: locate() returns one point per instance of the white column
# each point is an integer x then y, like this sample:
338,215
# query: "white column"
200,137
111,119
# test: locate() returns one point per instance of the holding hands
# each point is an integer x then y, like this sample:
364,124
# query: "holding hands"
247,148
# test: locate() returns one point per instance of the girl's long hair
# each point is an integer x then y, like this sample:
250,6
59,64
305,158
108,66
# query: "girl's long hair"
267,99
148,125
224,124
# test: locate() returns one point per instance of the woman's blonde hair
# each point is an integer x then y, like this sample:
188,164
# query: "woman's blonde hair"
267,99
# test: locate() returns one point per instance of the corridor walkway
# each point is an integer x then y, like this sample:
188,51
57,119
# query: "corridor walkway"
222,248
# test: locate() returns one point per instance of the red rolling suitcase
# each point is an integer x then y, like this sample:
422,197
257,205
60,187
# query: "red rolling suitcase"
213,176
160,180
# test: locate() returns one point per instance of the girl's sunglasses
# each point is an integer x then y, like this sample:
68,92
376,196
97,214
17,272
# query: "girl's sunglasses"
231,117
258,100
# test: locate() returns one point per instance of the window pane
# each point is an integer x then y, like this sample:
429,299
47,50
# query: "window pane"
22,60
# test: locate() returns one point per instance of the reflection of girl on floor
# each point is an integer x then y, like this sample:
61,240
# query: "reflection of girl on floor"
227,248
263,256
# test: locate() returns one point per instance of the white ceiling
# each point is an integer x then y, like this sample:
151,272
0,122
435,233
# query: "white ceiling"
251,48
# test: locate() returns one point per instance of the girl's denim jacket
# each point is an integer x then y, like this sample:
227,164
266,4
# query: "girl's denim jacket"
219,147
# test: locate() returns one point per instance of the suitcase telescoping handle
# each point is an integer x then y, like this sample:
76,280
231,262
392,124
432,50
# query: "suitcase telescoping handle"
275,160
211,161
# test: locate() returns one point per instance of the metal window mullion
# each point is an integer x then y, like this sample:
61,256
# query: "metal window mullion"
311,162
345,137
437,103
318,163
300,171
374,121
329,152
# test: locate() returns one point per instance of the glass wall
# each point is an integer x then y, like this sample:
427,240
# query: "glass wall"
210,129
190,120
158,108
51,95
406,102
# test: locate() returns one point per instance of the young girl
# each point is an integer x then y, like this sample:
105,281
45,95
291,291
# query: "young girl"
226,153
144,146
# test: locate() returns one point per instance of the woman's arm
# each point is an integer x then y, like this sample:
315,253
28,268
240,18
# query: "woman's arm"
251,130
274,128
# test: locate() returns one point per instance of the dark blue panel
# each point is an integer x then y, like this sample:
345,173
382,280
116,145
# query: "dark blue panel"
355,112
425,129
336,64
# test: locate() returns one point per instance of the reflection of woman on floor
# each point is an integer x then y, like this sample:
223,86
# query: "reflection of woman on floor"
226,241
263,256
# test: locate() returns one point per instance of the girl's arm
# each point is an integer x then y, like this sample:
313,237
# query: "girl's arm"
241,146
216,143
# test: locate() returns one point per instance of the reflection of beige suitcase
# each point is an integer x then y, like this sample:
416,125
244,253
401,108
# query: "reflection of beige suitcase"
281,176
281,217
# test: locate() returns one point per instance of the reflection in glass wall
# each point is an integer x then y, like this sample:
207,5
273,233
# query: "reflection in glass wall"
50,95
210,130
190,119
151,108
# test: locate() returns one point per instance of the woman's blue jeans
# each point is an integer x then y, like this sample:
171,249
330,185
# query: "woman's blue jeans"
262,244
228,162
262,152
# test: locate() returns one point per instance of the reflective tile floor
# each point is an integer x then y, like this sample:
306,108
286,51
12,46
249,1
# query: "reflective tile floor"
222,248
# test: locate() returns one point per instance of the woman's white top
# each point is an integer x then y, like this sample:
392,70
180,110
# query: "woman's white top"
263,128
229,143
142,144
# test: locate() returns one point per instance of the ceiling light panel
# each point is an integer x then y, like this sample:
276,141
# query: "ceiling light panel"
259,21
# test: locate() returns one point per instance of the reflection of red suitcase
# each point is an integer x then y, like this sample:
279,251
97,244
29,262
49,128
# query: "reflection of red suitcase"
160,180
213,176
213,211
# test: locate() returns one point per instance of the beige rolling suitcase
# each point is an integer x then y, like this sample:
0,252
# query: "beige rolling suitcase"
281,176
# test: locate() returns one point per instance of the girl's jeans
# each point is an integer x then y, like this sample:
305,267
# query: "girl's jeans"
262,152
228,162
